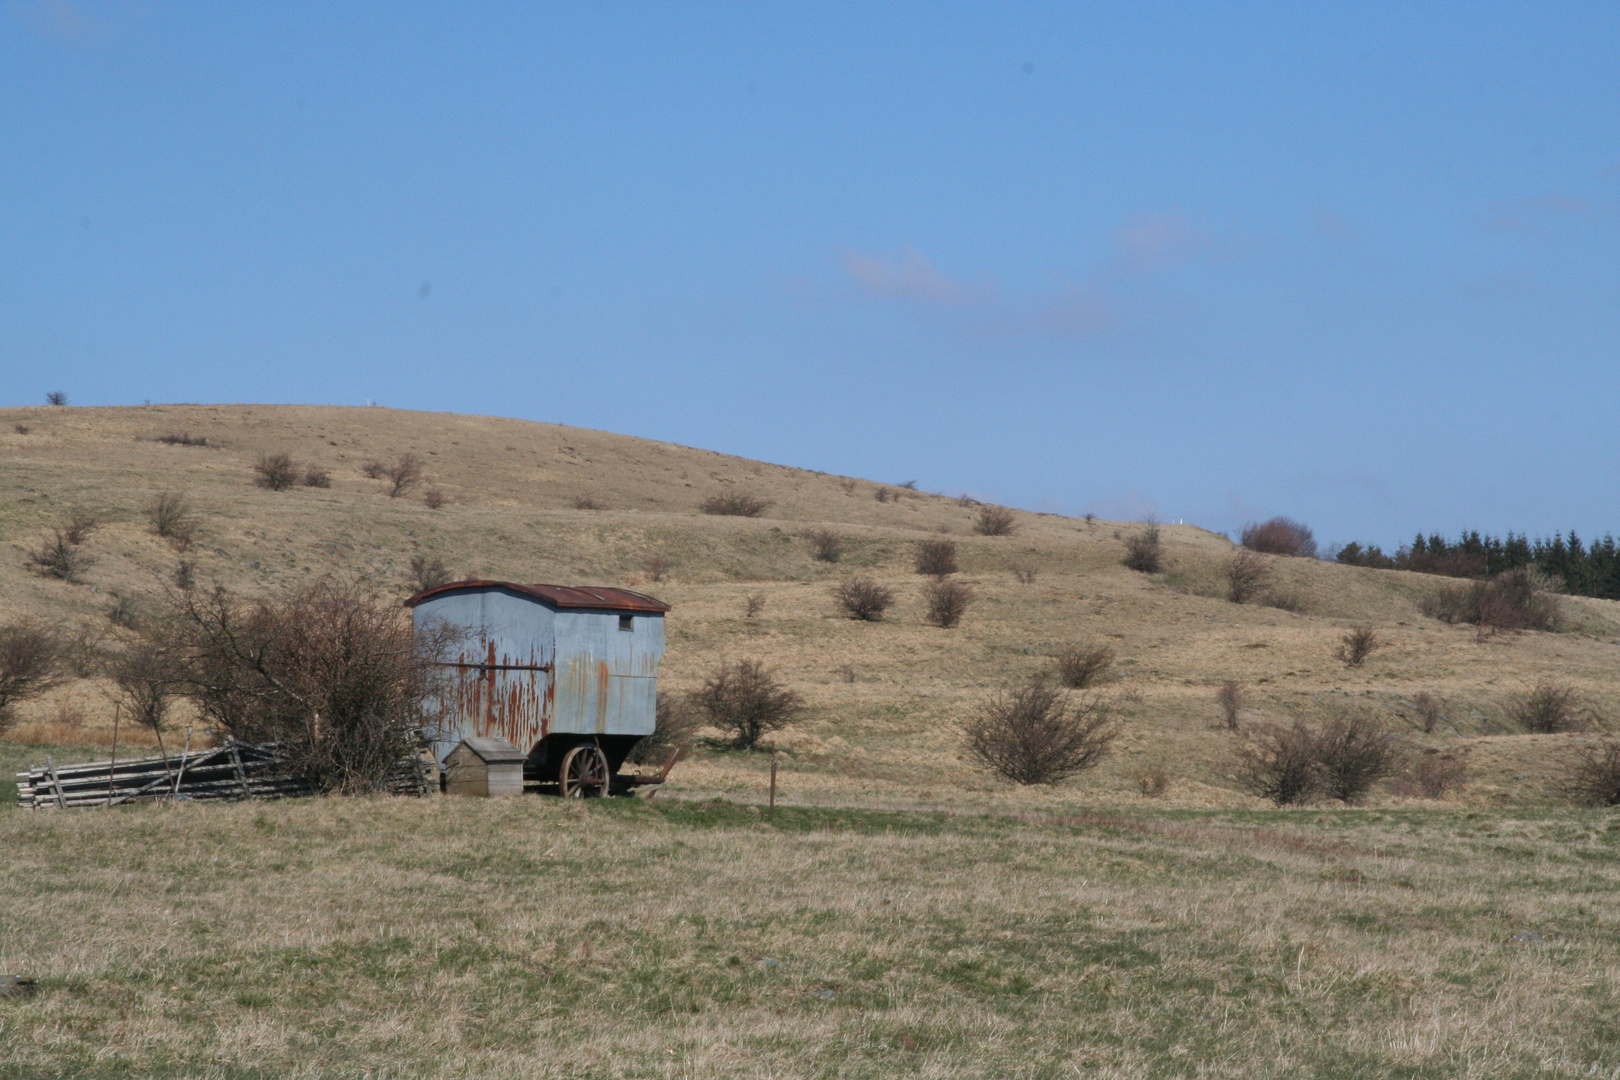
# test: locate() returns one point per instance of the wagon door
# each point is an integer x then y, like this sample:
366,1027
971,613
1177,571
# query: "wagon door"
493,696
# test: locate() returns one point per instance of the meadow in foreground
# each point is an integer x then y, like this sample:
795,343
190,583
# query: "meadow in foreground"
525,938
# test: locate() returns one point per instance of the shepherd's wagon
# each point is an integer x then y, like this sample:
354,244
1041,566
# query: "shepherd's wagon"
569,675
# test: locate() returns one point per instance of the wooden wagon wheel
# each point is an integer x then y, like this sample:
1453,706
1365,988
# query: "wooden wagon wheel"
584,773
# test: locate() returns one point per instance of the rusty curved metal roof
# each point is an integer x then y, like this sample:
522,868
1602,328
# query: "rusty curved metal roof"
563,596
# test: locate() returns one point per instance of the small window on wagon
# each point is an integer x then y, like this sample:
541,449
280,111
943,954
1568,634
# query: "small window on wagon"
627,622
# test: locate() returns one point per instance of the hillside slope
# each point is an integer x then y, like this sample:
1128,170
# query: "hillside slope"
886,697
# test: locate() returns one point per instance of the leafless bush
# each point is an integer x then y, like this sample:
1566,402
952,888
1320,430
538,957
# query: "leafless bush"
182,438
585,502
862,598
736,504
57,557
125,612
1153,781
1247,574
883,495
1231,697
1024,572
677,724
30,664
80,524
276,472
429,573
658,567
1592,776
1431,773
317,477
56,397
1083,666
403,475
185,575
995,521
947,602
1518,599
848,485
374,470
1029,733
847,673
747,702
1278,763
936,558
1547,710
434,499
170,515
21,429
145,675
1357,643
1280,536
1284,601
753,604
333,673
825,545
1353,752
1430,709
1143,552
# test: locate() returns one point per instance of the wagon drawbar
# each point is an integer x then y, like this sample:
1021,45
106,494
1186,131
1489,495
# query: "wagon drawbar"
567,674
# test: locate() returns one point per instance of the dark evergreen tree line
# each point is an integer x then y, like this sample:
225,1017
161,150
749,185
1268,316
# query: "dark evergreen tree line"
1583,569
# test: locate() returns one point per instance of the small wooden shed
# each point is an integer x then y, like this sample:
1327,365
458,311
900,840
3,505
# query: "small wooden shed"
484,765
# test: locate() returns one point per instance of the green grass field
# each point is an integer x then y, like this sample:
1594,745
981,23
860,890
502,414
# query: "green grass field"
536,938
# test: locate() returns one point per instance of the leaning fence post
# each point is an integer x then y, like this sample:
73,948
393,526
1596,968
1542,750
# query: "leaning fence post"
184,754
112,768
236,763
56,782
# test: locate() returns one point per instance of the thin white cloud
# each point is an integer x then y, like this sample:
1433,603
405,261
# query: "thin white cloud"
1527,215
910,277
57,18
1160,242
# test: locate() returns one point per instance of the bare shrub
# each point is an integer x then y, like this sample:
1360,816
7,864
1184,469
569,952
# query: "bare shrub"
1232,697
429,573
1278,763
56,397
1431,773
1353,752
433,498
1024,572
403,475
171,517
80,524
1153,781
374,470
125,612
747,702
275,472
995,521
848,484
182,438
1285,601
735,504
825,545
677,724
1547,710
185,575
947,602
1143,551
658,567
862,598
1029,733
21,429
1592,777
753,604
30,664
317,477
585,502
883,495
1518,599
1247,574
1430,709
145,675
1083,666
58,558
334,674
1280,536
1357,643
847,673
936,558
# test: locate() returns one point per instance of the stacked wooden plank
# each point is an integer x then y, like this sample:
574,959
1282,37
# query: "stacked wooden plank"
232,771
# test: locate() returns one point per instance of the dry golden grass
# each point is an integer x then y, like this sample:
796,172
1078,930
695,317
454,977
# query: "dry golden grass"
536,938
889,735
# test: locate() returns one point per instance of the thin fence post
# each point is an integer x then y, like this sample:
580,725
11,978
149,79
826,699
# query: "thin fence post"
236,763
773,781
181,775
112,769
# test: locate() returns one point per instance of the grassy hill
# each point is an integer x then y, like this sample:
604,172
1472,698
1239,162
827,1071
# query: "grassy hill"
886,698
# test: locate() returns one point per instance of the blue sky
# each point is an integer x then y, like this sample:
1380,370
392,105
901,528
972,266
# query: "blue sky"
1351,263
